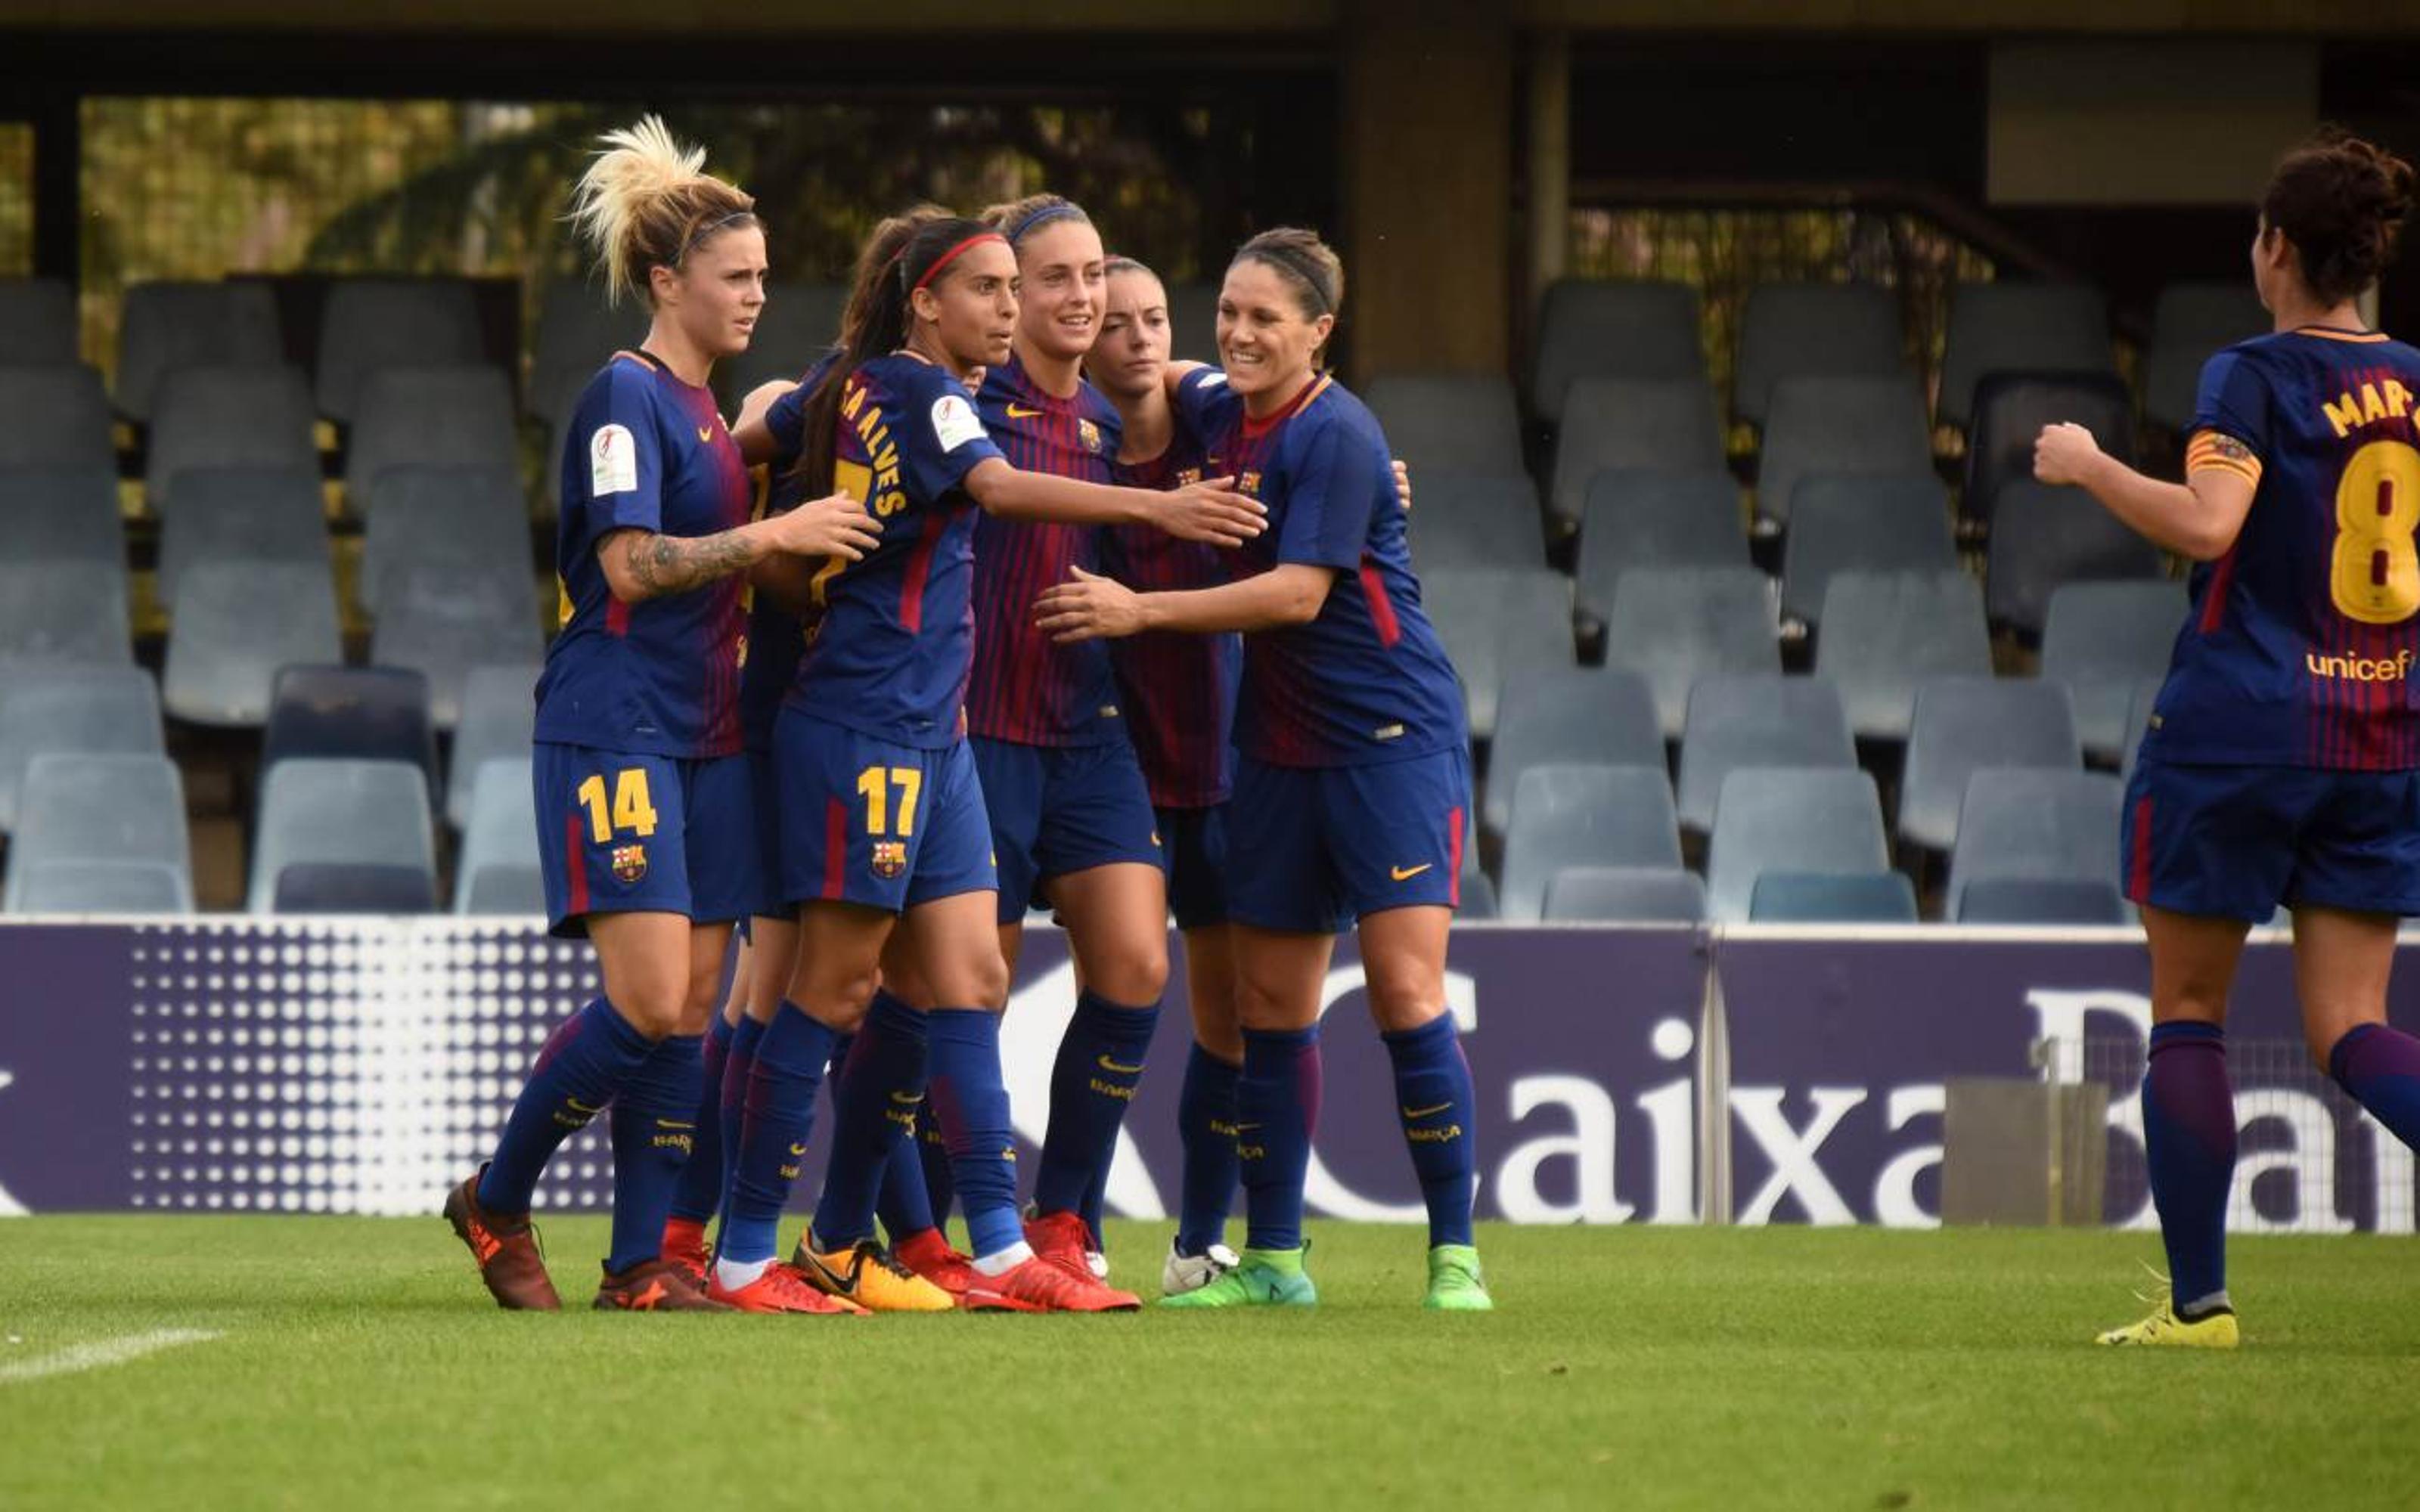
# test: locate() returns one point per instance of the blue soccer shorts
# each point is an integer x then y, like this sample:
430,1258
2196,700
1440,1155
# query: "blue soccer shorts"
1311,849
1194,840
869,820
2236,842
1059,810
621,832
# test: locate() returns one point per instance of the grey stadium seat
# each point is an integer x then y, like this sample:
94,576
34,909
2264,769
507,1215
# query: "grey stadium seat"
576,332
506,890
2042,536
2005,328
1628,330
502,834
498,717
353,888
58,417
104,888
460,416
71,611
1886,633
1648,520
96,710
2036,824
1583,816
61,515
1461,519
1625,895
1678,624
1790,819
1761,720
1965,724
236,623
1497,621
1449,421
799,323
1644,424
1847,523
463,519
2191,324
1478,897
341,812
371,323
85,808
2011,409
1193,322
444,622
1840,424
243,515
227,417
37,321
1604,716
1833,898
168,325
2104,638
1791,331
2042,901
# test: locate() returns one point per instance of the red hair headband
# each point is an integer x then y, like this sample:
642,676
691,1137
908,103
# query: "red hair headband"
946,258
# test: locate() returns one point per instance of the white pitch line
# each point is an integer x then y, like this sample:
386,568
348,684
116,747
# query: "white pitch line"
101,1353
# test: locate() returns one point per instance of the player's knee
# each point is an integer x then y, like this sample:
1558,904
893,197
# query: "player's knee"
1405,1004
656,1007
837,997
1136,974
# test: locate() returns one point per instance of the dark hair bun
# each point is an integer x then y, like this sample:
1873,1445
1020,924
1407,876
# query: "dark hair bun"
2342,202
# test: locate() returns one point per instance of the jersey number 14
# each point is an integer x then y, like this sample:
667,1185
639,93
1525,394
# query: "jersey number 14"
2376,574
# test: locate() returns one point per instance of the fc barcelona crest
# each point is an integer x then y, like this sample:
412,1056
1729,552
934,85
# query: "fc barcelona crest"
889,858
629,863
1088,435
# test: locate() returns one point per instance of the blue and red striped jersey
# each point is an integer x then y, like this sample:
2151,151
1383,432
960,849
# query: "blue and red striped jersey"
890,655
644,452
1368,680
776,637
1027,689
2300,647
1179,690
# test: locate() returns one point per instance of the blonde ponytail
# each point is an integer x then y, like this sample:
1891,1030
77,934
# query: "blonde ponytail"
646,201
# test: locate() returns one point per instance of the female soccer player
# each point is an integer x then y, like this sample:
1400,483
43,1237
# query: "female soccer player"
883,818
642,801
2279,766
1353,772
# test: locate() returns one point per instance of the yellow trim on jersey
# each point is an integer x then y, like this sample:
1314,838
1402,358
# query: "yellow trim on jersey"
2326,334
2210,452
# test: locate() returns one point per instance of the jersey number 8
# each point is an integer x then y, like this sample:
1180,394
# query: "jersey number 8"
2376,576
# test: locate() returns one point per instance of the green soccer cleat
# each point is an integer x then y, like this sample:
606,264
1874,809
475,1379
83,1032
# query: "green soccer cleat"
2163,1329
1456,1284
1262,1278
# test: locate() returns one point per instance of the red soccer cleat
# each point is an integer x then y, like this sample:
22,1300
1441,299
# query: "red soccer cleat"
1063,1236
1046,1285
684,1246
505,1247
781,1290
929,1255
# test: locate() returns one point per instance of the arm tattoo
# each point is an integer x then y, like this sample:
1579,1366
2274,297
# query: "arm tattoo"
663,565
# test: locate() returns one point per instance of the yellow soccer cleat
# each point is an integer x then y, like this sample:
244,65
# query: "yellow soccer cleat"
865,1274
2164,1328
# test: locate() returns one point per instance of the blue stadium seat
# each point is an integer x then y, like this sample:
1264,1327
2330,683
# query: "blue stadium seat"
1494,621
1835,426
351,713
237,623
372,323
62,515
1833,898
1965,724
1583,816
1447,421
2019,328
2191,324
1885,522
1675,626
243,515
2011,409
58,417
457,417
38,322
340,813
93,710
2104,638
2036,824
1622,329
59,611
1886,633
1548,716
1761,719
2045,536
82,807
1625,895
227,417
168,325
353,888
1630,424
1790,819
1789,330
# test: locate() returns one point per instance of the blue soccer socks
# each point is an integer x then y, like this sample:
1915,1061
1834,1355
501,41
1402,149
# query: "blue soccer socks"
1277,1109
1093,1083
584,1062
2189,1139
1438,1109
779,1113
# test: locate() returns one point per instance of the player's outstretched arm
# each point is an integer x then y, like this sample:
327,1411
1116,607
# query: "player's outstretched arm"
1210,511
1090,606
640,566
2198,519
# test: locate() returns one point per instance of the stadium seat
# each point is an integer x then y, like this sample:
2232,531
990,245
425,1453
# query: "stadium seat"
508,890
1625,895
81,807
2145,697
353,888
1478,898
1763,720
1463,519
2047,535
2191,324
350,713
130,887
576,332
38,322
58,417
501,834
1647,519
1494,621
227,417
71,611
1618,330
242,513
1583,816
444,622
459,416
461,519
499,715
1193,322
1551,714
1850,523
2013,328
799,323
1642,425
1833,898
1965,724
1839,425
236,623
2037,825
61,515
371,323
2043,901
2011,409
1885,633
342,812
1790,819
1447,421
1794,331
2104,639
102,710
171,325
1680,623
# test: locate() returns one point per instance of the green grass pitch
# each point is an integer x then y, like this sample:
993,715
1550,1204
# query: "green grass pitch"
359,1364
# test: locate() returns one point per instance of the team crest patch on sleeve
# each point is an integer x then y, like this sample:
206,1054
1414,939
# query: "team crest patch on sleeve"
613,461
1088,435
629,863
889,858
955,421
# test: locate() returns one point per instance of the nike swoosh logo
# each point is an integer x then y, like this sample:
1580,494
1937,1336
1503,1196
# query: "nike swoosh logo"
1426,1113
578,1106
908,1099
705,433
798,1149
1242,1127
1020,412
833,1282
1405,873
1116,1070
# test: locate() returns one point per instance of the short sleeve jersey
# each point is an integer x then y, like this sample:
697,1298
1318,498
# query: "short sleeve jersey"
1026,688
889,657
645,452
1367,681
2300,647
776,637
